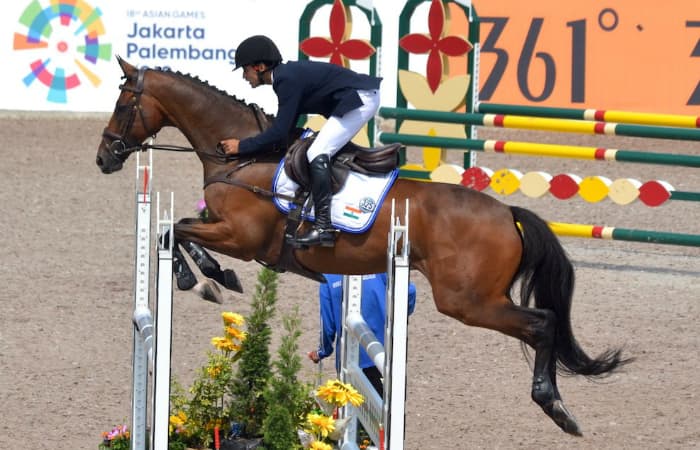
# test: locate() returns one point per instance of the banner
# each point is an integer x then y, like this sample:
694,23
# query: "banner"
623,54
61,54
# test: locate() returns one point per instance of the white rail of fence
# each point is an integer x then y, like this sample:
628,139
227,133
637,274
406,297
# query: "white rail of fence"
384,420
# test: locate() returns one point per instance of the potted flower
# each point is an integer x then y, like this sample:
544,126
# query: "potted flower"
196,416
117,439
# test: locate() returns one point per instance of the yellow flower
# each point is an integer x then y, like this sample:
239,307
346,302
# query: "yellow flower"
354,397
318,445
213,371
232,346
218,422
235,333
339,394
321,425
216,341
177,422
231,318
178,419
223,343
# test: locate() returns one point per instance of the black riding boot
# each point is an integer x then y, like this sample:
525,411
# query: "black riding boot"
322,232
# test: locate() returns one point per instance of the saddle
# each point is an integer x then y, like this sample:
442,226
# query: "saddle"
378,161
352,157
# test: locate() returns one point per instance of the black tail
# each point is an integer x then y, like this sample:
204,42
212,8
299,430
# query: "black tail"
547,272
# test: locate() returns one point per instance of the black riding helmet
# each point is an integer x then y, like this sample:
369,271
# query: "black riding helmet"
257,49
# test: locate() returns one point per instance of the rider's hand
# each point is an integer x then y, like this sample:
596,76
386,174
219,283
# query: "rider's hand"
230,146
313,356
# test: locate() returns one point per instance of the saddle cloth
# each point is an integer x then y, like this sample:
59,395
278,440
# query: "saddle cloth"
353,209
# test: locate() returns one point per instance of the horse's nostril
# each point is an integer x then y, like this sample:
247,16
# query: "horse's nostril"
99,162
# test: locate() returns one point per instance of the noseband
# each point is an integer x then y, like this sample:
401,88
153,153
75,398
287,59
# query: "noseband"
121,146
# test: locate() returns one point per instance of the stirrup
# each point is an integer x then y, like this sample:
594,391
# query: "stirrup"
325,237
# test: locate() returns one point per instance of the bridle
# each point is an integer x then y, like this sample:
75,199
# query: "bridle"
121,146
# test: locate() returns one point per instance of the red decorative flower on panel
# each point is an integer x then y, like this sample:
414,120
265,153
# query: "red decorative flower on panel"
435,45
338,47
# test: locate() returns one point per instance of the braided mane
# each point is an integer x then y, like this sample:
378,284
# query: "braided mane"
203,83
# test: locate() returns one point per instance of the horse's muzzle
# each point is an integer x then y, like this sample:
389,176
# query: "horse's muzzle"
107,161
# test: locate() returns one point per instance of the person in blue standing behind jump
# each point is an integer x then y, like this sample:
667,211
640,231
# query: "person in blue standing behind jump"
346,98
373,311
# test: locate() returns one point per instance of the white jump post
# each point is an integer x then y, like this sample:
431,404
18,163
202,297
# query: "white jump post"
143,319
384,420
163,324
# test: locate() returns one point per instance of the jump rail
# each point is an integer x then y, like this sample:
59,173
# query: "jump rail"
544,123
563,151
384,420
541,149
600,115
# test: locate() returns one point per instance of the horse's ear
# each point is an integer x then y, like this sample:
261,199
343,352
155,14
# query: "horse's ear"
127,68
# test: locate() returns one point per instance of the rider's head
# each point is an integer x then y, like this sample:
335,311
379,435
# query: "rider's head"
257,55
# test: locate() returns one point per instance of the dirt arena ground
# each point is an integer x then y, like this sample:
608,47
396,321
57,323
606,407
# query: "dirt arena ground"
67,271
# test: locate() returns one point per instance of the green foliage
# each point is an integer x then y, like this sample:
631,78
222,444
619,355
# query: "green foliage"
177,445
287,398
248,405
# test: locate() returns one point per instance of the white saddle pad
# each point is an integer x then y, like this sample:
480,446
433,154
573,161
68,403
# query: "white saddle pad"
353,209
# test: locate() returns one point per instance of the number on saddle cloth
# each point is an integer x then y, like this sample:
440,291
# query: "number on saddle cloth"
352,157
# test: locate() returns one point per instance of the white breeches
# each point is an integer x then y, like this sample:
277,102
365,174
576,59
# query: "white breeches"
337,131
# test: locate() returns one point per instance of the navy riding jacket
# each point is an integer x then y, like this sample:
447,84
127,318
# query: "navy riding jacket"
309,87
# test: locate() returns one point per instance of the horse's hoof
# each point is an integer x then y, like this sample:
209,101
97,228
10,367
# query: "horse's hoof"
209,291
185,281
562,417
231,281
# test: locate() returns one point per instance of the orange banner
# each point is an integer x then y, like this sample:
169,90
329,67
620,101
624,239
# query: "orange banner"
621,54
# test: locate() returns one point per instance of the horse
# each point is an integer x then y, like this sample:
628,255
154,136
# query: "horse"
471,248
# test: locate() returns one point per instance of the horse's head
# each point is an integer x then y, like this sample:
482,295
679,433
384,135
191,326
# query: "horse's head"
151,99
135,118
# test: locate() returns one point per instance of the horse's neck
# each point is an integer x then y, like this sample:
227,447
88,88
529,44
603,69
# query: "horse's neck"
205,116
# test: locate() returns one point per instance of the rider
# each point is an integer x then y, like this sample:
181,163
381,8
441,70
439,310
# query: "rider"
346,98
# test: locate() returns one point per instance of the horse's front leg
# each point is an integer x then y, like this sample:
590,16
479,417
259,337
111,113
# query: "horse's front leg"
184,276
194,235
211,268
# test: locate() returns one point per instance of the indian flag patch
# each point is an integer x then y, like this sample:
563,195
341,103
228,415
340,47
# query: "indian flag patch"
351,212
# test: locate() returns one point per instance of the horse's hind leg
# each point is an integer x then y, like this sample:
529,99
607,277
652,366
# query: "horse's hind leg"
535,327
544,380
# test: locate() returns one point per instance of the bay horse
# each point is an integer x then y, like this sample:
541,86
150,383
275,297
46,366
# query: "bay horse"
471,248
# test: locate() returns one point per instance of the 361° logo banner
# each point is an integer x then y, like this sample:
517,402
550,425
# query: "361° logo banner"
63,42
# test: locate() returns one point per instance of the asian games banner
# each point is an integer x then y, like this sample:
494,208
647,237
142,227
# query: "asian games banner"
60,55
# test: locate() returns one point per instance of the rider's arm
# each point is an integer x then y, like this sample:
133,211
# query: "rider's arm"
289,95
